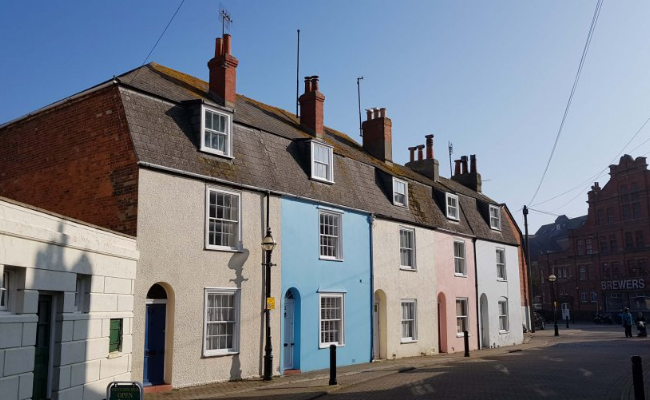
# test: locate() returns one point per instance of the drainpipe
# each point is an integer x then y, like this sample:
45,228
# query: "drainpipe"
372,291
478,305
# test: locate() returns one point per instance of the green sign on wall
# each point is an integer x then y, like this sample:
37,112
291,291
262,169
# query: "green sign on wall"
125,391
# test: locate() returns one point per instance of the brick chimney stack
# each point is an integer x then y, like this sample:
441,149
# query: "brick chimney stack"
311,107
426,166
377,134
471,179
223,72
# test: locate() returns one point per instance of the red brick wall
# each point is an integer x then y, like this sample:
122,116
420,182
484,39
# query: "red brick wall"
76,160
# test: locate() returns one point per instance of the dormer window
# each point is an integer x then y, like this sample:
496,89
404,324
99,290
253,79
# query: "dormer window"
400,192
495,217
322,164
452,206
216,132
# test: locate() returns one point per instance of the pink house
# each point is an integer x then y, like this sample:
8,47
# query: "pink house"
456,291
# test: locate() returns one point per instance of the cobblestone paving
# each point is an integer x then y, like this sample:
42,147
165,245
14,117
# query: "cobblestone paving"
587,362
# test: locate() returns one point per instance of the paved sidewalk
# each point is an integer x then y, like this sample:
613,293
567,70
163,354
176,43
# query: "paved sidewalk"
314,384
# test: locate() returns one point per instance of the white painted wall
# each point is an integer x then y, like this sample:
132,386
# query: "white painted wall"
397,284
494,289
45,253
171,238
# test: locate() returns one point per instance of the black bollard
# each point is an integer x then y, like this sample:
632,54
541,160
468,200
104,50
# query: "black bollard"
567,322
466,337
333,364
637,378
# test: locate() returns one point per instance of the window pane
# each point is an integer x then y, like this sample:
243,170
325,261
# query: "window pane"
223,226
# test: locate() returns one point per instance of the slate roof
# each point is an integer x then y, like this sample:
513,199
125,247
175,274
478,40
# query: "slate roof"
268,154
549,239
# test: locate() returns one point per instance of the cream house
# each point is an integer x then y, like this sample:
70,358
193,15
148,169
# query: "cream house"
66,305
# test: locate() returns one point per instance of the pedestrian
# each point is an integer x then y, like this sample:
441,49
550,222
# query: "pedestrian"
627,322
640,325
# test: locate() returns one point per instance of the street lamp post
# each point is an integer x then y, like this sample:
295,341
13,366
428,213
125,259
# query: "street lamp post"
552,279
268,244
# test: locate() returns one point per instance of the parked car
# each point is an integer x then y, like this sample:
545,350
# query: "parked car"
540,322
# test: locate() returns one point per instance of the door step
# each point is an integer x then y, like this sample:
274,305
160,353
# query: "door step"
157,388
290,372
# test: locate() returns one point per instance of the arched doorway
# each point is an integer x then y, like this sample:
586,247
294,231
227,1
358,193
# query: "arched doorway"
291,330
485,322
379,325
442,323
154,336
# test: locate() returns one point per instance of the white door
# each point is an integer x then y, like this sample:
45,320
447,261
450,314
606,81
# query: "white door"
566,313
288,333
375,332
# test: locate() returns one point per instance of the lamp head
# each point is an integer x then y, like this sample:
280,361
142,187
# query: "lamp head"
268,243
552,278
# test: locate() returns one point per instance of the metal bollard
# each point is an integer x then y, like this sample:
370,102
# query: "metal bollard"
466,337
637,378
333,364
567,322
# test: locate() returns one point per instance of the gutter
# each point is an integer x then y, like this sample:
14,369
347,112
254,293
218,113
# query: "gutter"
175,171
478,305
372,291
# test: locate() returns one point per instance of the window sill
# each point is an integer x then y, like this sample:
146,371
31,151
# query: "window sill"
495,229
224,249
317,179
207,150
114,354
503,332
324,346
460,275
220,354
407,341
453,219
330,259
458,335
401,205
410,269
501,280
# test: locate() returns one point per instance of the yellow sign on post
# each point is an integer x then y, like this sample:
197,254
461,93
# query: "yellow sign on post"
270,303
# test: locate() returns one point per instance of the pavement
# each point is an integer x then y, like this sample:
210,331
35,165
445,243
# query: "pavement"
356,380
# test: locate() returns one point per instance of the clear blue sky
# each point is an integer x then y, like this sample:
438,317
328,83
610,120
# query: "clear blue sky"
493,77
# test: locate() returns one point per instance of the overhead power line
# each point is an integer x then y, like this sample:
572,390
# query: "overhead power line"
602,171
585,50
158,41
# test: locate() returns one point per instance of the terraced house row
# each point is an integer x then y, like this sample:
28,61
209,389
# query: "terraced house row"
380,259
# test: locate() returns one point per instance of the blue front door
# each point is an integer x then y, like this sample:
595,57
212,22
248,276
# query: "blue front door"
154,344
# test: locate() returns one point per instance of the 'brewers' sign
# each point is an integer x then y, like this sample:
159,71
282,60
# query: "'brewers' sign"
623,284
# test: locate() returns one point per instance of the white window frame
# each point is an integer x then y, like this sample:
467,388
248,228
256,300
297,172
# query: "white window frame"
502,273
412,250
504,320
341,342
330,167
405,194
339,243
495,220
583,296
465,317
239,245
414,321
456,209
236,293
228,133
594,296
462,259
81,293
7,288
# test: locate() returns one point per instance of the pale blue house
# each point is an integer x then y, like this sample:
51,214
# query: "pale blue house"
326,285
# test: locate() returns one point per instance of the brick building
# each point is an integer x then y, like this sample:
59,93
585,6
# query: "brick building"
600,259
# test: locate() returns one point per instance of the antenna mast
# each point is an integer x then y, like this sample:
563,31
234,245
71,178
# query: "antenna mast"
226,21
451,151
298,75
359,79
